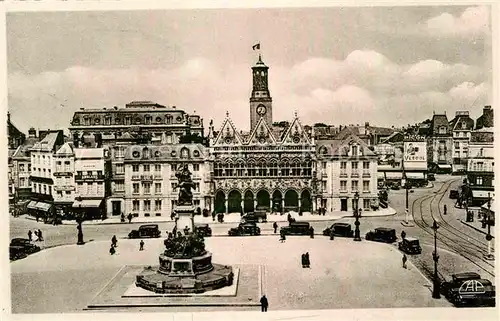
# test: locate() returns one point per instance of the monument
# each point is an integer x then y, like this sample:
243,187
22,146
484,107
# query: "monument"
185,265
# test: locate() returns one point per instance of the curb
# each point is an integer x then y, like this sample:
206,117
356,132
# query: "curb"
474,228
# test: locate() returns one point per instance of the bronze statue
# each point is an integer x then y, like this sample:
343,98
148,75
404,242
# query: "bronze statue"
185,185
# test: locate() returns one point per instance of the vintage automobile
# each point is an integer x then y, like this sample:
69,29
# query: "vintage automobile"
29,248
150,230
296,228
431,177
203,229
382,234
454,194
244,229
257,216
17,252
339,229
468,289
410,245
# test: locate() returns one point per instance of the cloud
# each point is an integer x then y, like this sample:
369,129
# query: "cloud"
473,21
365,86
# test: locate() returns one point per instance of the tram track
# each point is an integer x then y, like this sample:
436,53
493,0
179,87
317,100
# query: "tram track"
456,242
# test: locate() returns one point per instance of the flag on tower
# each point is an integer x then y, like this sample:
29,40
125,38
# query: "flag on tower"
256,46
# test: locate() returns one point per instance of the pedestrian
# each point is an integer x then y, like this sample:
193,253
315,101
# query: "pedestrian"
172,216
112,250
282,236
403,235
40,237
445,209
275,227
404,260
186,230
308,262
114,241
122,218
311,232
129,217
303,260
332,234
264,304
141,246
36,234
30,235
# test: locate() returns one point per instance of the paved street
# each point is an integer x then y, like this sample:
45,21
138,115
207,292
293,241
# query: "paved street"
460,247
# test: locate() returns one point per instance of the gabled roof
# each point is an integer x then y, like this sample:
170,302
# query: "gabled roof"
456,123
24,150
48,143
295,134
228,135
340,147
439,120
65,150
395,137
261,134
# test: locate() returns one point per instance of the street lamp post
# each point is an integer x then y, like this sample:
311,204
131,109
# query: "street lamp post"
356,215
79,221
435,256
405,186
490,255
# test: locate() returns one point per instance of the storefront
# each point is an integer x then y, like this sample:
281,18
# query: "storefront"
480,197
443,168
90,209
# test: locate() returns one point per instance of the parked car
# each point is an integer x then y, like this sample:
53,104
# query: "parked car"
410,245
150,230
431,177
339,229
17,252
454,194
469,289
244,229
203,229
296,228
382,234
257,216
29,248
395,187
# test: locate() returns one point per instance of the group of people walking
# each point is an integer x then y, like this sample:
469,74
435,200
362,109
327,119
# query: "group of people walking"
38,234
114,245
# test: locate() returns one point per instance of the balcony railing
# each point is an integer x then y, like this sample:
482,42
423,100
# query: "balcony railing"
146,177
366,174
354,174
343,174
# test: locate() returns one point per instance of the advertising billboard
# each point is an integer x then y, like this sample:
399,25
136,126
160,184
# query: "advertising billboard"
415,155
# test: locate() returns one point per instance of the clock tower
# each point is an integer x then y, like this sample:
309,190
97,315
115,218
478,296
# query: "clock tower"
260,100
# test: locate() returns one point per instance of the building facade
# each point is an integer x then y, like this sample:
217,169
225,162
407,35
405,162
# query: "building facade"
440,144
345,167
481,165
150,187
64,179
92,168
270,168
139,121
42,175
461,127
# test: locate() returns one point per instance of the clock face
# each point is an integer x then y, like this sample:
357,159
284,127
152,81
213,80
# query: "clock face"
261,110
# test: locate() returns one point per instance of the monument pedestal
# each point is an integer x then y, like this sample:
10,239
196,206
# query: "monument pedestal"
185,217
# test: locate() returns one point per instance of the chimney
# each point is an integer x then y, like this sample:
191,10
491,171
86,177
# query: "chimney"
487,116
32,133
367,124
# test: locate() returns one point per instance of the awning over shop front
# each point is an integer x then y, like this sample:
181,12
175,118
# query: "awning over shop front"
492,206
415,175
43,206
32,205
444,166
87,203
394,175
482,194
380,175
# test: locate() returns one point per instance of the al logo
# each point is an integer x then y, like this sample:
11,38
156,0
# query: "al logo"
471,287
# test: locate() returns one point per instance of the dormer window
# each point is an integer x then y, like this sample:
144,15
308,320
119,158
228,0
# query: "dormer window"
464,125
354,150
442,130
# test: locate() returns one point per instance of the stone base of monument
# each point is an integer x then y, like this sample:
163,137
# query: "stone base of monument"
185,217
185,281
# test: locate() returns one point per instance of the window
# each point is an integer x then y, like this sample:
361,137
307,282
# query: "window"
479,181
366,204
50,190
135,205
135,188
158,188
158,168
480,166
196,202
366,165
79,173
366,186
173,185
135,168
120,169
457,145
323,185
147,188
354,150
323,165
89,173
146,168
197,187
196,167
68,192
343,166
120,186
354,165
343,186
173,167
147,205
119,152
354,186
158,205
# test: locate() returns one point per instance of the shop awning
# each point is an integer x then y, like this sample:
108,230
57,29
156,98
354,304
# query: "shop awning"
482,194
394,175
87,203
444,166
415,175
380,175
492,206
43,206
32,205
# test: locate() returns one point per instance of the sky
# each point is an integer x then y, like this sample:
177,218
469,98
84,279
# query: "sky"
382,65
